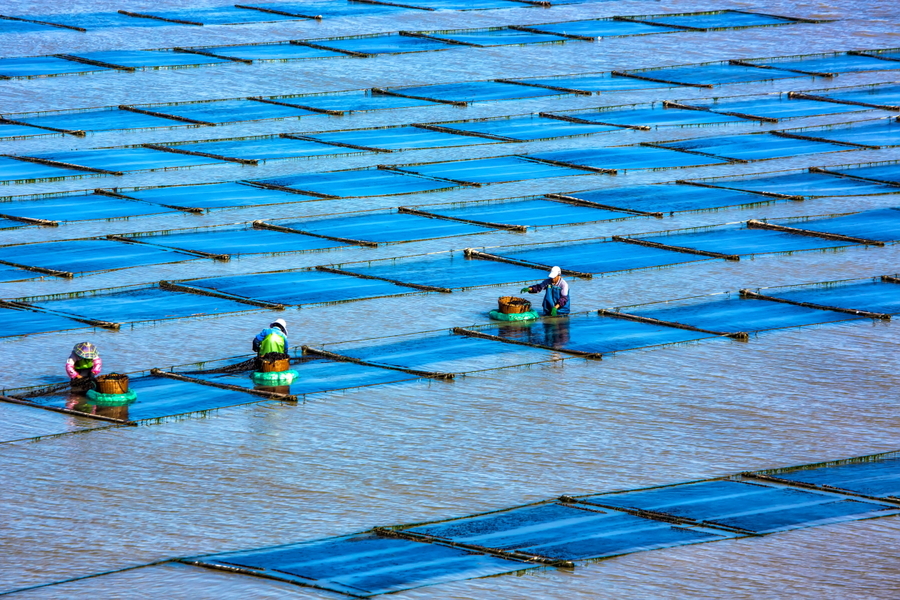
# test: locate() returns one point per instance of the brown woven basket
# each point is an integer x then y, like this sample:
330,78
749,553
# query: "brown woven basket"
112,384
512,305
274,362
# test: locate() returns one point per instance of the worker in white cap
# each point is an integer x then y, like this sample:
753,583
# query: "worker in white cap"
272,339
556,298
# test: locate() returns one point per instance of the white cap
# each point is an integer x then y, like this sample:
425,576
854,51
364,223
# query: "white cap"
281,323
554,273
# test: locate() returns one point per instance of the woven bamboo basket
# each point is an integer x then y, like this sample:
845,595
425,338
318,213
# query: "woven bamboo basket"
274,362
113,383
511,305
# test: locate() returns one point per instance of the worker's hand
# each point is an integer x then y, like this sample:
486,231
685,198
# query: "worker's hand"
525,290
553,311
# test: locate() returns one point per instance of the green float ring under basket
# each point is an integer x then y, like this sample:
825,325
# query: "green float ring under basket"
274,377
99,399
496,315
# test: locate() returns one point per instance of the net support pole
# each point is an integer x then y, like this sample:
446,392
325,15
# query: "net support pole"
496,338
258,224
757,224
683,249
416,286
224,386
174,287
472,253
430,215
590,204
741,336
850,311
308,350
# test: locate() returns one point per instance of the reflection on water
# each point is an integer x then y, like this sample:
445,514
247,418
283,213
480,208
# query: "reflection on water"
552,332
81,403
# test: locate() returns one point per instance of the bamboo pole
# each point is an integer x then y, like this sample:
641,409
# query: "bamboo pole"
73,27
279,12
128,240
161,115
679,105
246,61
542,85
31,220
383,92
174,287
325,111
62,165
422,213
811,138
263,225
224,386
435,38
590,122
418,286
851,311
744,63
145,16
496,338
817,487
805,96
243,161
75,132
658,80
472,253
96,63
571,36
45,271
590,204
345,358
756,224
330,49
307,138
450,130
722,187
66,411
639,242
737,335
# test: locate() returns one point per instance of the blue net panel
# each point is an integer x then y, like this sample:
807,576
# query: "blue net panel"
98,20
715,73
733,314
10,131
364,565
734,240
141,304
14,321
388,43
591,333
601,28
451,270
532,212
43,66
318,375
20,171
753,507
128,159
880,133
352,101
777,106
399,138
528,127
446,353
889,173
152,59
667,197
215,195
656,117
360,183
8,273
498,36
872,296
385,227
239,241
829,63
600,257
228,111
809,185
157,397
273,52
879,224
721,19
492,170
598,82
885,95
80,207
300,287
463,4
10,223
329,8
11,26
79,256
267,148
565,532
218,15
754,146
476,91
628,157
880,478
98,120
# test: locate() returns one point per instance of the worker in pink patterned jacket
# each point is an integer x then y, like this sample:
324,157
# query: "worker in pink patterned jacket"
84,362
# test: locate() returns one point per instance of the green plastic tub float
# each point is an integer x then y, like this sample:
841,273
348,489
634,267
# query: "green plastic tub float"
275,370
511,308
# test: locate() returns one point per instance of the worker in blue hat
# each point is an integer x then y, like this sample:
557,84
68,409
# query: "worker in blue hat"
556,297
